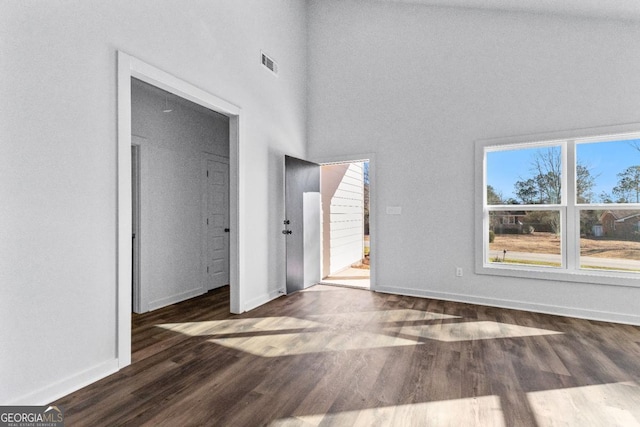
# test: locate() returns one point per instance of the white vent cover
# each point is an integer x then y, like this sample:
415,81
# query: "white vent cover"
269,63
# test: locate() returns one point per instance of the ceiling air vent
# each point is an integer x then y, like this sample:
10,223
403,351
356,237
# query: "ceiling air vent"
269,63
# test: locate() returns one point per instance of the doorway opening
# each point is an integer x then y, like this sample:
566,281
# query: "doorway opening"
346,249
180,240
128,68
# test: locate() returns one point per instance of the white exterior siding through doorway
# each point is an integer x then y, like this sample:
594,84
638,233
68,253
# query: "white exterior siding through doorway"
343,216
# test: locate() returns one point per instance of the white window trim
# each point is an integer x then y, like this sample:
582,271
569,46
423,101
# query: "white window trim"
569,209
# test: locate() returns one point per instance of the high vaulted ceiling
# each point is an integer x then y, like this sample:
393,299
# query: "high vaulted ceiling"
616,9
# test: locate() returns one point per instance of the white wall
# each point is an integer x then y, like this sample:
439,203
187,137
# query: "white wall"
171,236
58,158
418,85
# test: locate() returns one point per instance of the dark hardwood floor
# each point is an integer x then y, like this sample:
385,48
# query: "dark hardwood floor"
340,356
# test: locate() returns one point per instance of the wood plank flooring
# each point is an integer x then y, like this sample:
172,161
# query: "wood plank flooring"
338,356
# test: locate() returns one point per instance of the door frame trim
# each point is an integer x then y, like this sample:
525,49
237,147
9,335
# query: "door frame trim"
351,158
128,67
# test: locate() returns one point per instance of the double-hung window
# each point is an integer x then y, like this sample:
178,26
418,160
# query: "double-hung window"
563,207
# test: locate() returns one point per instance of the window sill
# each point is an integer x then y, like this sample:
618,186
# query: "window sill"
596,277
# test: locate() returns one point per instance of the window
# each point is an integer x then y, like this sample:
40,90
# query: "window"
565,207
508,220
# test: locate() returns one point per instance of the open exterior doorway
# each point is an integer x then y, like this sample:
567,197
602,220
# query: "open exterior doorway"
346,249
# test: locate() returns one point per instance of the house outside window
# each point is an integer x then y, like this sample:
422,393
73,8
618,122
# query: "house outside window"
561,206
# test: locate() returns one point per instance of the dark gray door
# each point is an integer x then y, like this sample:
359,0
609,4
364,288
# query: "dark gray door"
302,224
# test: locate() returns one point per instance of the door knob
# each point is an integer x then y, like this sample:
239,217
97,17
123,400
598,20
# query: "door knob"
226,230
286,231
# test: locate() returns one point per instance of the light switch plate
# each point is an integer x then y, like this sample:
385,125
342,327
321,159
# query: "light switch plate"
394,210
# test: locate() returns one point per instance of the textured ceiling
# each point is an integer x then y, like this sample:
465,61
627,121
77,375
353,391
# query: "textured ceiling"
616,9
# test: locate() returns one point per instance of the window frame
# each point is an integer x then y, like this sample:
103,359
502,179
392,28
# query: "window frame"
570,270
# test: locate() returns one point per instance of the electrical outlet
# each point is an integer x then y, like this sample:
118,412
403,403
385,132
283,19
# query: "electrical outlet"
458,271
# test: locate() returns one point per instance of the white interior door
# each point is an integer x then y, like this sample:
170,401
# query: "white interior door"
217,222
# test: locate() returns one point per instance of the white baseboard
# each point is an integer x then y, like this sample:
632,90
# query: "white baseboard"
262,299
172,299
55,391
557,310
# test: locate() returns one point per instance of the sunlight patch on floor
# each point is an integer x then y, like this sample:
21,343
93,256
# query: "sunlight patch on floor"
321,288
262,324
343,331
235,326
310,342
381,316
476,411
467,331
616,404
